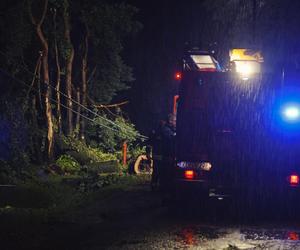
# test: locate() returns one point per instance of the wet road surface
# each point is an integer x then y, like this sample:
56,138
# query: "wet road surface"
147,224
197,236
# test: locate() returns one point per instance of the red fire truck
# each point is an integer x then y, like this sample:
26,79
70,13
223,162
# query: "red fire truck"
226,144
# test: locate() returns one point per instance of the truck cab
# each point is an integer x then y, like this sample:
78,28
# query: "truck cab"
198,106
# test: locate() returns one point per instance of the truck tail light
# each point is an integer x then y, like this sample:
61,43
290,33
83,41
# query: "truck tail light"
189,174
178,76
294,180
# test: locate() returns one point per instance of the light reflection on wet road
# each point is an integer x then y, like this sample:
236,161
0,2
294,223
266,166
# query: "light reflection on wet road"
211,237
157,227
162,231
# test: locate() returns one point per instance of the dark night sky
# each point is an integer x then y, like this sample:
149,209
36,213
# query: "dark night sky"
155,51
154,54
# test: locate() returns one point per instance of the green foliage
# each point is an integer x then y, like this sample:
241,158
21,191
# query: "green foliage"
133,152
112,140
17,38
98,182
98,168
85,153
68,164
108,26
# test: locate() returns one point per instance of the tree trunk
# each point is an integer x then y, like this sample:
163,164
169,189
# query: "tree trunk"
69,68
58,73
84,69
45,67
36,140
50,131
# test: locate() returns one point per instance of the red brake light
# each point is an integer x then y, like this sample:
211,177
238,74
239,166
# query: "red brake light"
189,174
294,180
178,76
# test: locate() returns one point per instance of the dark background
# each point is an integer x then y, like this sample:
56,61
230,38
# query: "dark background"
155,52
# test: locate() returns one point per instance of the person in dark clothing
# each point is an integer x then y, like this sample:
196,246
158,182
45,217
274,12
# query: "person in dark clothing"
163,149
168,152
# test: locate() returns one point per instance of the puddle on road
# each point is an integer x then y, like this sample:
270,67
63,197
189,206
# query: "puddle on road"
182,235
212,237
192,235
223,238
267,234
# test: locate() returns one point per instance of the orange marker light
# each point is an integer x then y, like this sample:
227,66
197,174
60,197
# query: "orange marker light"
189,174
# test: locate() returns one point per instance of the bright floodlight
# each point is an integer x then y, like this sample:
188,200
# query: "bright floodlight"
291,113
244,68
247,69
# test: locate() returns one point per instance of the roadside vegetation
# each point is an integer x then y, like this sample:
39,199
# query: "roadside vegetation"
58,188
41,205
62,128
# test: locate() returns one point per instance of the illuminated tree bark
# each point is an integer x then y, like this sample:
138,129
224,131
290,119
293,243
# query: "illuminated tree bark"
45,73
58,81
84,69
69,67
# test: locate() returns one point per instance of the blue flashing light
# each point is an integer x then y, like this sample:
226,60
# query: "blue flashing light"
289,119
291,112
283,117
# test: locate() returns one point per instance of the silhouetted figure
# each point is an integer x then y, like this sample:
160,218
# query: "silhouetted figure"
168,134
163,146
